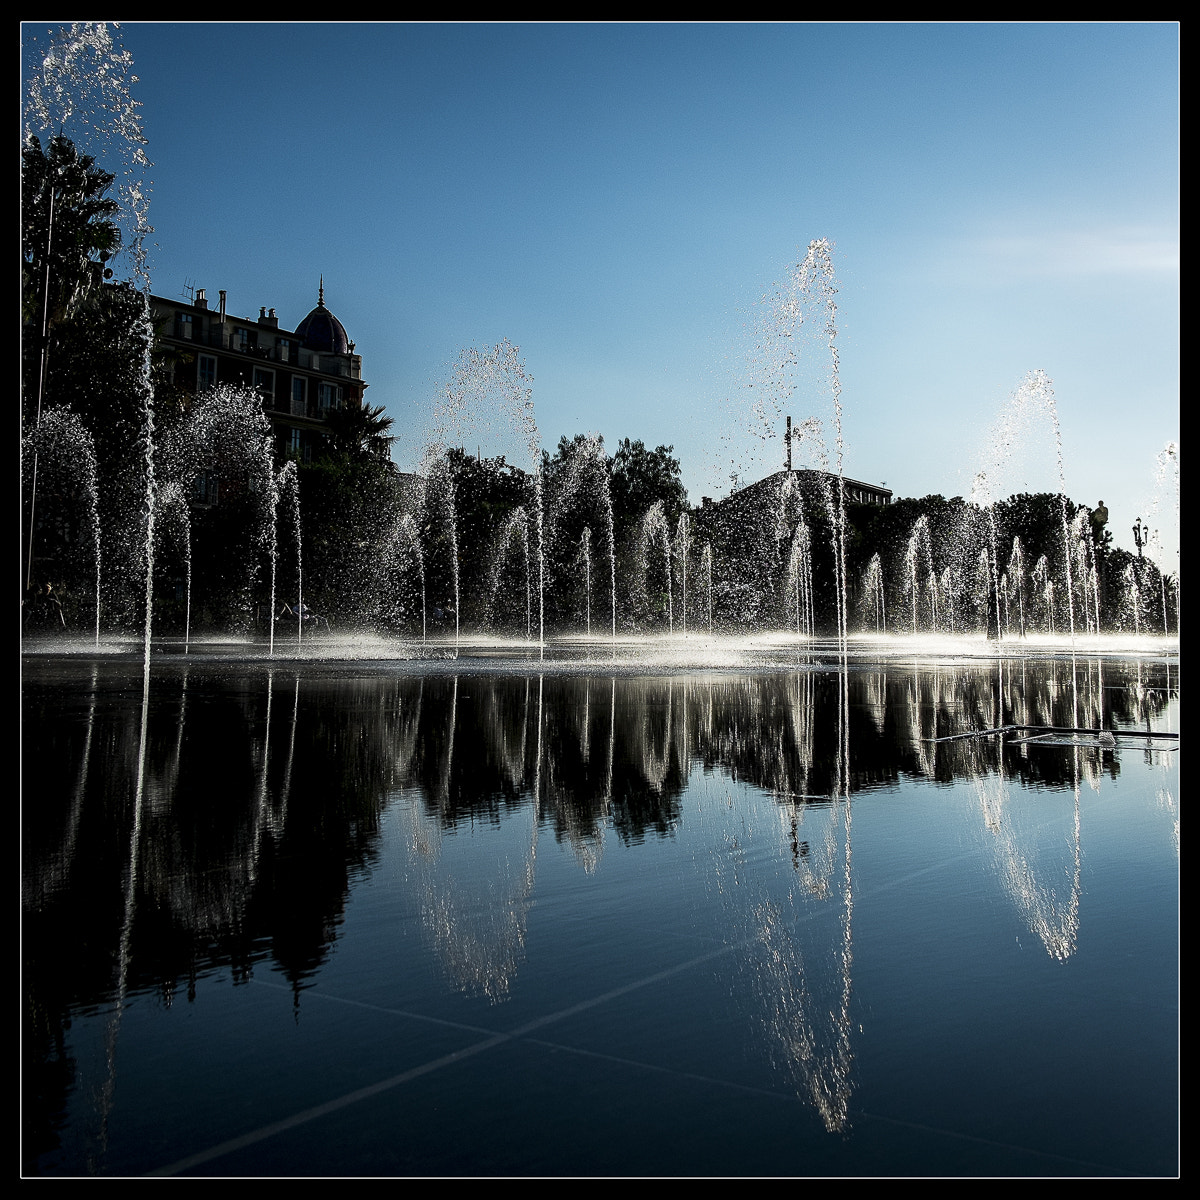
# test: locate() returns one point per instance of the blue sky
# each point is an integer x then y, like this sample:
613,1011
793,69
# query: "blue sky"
616,201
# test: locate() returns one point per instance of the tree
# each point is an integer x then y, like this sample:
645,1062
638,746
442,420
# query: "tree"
97,368
359,431
639,478
67,236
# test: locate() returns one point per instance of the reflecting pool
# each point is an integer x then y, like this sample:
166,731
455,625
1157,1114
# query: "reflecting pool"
486,917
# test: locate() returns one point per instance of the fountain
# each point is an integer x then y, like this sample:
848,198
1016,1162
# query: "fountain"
780,567
175,519
514,528
287,486
585,553
67,457
780,562
1016,572
1133,597
874,604
949,592
918,540
1044,585
404,547
656,537
683,547
418,840
1162,518
579,496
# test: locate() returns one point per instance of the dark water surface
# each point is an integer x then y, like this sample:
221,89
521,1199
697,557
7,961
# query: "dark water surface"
394,919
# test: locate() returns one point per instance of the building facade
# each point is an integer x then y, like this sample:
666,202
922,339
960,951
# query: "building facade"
301,374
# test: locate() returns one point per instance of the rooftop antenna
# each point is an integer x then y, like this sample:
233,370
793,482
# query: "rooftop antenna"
189,290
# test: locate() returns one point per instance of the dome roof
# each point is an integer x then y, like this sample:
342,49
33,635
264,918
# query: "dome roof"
321,330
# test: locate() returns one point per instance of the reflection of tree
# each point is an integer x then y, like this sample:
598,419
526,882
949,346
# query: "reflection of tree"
262,791
229,863
261,837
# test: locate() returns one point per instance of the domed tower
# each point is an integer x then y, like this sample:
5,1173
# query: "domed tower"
321,331
326,348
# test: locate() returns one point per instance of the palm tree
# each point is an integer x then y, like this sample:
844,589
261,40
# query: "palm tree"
359,431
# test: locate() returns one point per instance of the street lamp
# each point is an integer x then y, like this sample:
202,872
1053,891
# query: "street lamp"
1141,535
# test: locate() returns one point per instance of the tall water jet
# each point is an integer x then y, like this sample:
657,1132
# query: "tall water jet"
949,590
807,294
654,535
495,382
1016,570
800,579
1157,556
612,564
585,552
405,533
287,485
918,540
78,82
147,446
706,563
228,435
683,546
175,518
578,498
820,251
452,525
67,456
1162,518
1043,583
1034,398
1028,421
874,606
436,545
818,282
984,589
987,583
514,527
1133,597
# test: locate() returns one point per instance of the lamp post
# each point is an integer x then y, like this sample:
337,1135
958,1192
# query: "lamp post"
1141,535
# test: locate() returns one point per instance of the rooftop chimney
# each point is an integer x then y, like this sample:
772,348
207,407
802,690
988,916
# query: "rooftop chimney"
221,293
201,299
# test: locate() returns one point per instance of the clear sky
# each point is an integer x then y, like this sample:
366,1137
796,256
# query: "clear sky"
617,200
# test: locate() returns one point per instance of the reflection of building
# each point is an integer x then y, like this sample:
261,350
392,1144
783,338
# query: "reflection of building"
301,375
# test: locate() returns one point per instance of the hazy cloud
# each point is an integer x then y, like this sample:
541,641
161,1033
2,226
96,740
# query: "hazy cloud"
1068,254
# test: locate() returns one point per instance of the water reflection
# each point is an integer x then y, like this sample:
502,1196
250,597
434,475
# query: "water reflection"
218,817
796,933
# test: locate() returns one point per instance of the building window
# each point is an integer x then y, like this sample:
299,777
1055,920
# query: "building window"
206,372
298,409
183,325
328,396
205,489
296,447
243,340
264,382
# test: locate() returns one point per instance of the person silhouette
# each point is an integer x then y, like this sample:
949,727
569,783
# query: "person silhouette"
43,606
